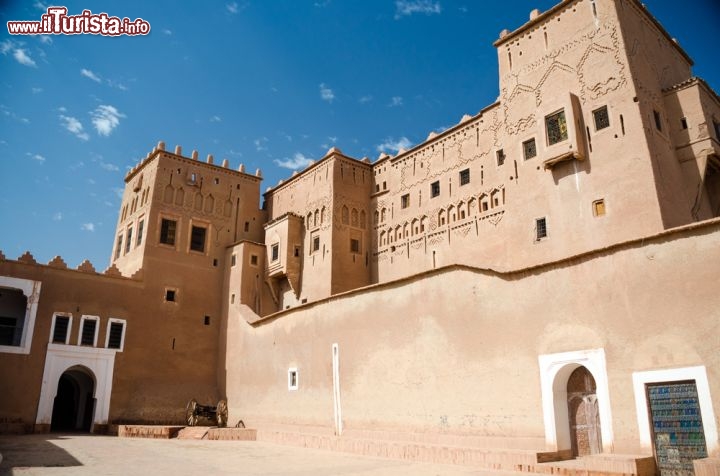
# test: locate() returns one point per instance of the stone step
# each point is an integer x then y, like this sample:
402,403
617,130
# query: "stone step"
500,460
238,434
193,433
162,432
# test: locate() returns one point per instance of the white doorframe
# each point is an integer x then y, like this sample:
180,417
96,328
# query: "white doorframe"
60,358
699,375
555,369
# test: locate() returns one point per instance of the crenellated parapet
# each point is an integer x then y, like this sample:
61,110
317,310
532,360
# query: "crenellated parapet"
194,156
59,263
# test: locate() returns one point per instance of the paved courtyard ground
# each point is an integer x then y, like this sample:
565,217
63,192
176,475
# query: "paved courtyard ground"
74,454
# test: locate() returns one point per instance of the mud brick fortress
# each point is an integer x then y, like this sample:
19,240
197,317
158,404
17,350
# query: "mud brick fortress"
536,283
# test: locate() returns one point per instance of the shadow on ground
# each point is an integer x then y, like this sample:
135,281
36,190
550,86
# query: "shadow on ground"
28,451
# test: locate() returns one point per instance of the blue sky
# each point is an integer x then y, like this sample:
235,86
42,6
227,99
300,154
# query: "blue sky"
267,83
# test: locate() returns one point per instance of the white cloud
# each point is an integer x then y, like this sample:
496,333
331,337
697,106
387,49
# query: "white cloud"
260,143
37,90
109,167
6,46
118,192
232,7
215,119
40,6
74,126
167,31
409,7
36,157
115,84
23,58
364,99
391,145
298,161
45,39
62,109
396,101
89,74
88,227
326,93
57,216
105,119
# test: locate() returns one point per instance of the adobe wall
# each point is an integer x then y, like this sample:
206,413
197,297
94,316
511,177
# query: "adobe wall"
656,63
695,109
571,59
169,354
193,193
455,351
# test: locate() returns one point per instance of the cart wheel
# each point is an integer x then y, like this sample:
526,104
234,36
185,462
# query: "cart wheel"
222,413
191,417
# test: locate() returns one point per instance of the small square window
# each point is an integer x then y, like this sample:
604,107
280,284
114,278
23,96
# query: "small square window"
500,156
247,226
128,240
716,126
61,330
601,117
465,177
167,231
556,126
170,295
599,208
197,239
141,226
275,252
88,332
540,229
293,378
296,253
116,334
384,185
354,245
658,120
207,320
434,189
253,260
529,149
118,246
405,201
232,298
233,260
316,243
683,123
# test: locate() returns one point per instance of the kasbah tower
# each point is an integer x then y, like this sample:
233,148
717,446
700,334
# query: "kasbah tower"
534,284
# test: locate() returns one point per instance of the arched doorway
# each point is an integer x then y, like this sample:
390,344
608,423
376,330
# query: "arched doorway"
583,413
74,403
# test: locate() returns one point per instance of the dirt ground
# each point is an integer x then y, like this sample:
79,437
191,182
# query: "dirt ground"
76,454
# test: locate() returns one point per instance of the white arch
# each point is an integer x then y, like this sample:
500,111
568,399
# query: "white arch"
98,361
555,369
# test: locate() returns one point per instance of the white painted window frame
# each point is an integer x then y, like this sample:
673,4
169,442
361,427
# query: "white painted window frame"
122,337
69,329
82,324
292,387
31,290
699,375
